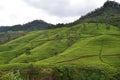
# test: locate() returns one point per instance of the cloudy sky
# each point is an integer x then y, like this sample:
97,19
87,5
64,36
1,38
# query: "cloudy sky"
53,11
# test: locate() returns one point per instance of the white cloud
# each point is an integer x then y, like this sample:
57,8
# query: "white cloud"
54,11
63,8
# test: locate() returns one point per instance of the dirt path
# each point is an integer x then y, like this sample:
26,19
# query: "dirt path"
82,57
112,55
75,59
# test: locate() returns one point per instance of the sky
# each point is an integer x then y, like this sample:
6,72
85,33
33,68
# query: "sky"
14,12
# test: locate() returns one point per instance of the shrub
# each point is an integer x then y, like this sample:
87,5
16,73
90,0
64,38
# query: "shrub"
12,76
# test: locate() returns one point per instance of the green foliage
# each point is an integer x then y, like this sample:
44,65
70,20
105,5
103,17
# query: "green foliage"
12,76
10,35
75,73
30,26
87,50
28,51
109,13
71,46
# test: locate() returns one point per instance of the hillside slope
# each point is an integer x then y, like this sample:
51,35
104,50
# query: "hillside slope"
87,45
87,49
108,13
8,33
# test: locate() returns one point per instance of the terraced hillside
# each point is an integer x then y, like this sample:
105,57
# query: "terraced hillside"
87,51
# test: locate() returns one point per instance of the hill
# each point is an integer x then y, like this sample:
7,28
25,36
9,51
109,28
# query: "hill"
82,47
8,33
87,50
30,26
108,13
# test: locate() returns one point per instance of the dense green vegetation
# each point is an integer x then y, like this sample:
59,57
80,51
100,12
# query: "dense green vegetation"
30,26
109,13
81,47
88,49
10,35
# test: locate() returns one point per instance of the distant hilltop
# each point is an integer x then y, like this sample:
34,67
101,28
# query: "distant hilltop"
111,4
108,13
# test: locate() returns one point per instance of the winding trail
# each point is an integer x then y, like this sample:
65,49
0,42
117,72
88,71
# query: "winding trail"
75,59
112,55
82,57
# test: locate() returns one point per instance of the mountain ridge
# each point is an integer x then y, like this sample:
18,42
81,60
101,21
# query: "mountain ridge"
30,26
109,13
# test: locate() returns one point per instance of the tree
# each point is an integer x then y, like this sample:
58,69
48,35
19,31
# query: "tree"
32,72
55,52
12,76
46,35
97,25
58,37
70,41
84,26
101,50
28,51
107,26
